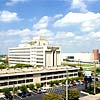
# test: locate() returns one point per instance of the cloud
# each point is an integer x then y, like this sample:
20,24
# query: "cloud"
76,18
79,4
7,16
57,16
44,32
22,33
13,2
42,23
65,35
6,44
92,25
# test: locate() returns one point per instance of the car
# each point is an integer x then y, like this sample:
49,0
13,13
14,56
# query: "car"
81,83
23,94
8,96
74,83
70,84
42,90
19,93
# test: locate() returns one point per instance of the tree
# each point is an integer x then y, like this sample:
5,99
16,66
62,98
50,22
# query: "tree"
56,82
31,86
22,65
80,72
38,85
73,94
51,83
23,88
52,96
98,70
5,90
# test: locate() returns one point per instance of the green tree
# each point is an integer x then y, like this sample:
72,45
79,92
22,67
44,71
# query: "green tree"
63,81
73,94
22,65
51,83
5,90
3,66
52,96
23,88
80,72
38,85
98,70
31,86
56,82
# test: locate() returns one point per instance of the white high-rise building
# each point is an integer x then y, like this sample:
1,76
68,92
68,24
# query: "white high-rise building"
37,52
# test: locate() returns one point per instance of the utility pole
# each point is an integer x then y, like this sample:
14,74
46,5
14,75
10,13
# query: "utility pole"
67,84
94,78
13,91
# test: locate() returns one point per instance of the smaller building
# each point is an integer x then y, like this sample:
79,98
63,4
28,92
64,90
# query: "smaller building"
81,57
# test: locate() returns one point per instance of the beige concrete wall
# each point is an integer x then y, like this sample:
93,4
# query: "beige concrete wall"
36,78
55,58
58,59
48,58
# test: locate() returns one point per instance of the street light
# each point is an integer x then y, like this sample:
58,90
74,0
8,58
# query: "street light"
67,84
94,77
13,91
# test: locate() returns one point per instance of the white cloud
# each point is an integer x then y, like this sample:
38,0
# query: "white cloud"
43,23
25,39
21,33
58,16
79,4
13,2
72,18
65,35
44,32
94,35
92,25
7,16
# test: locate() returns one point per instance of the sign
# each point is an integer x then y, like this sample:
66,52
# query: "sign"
87,73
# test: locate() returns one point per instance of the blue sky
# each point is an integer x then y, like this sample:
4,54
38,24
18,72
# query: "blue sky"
74,25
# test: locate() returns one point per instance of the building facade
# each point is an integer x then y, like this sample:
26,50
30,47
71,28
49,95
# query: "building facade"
37,52
25,76
81,57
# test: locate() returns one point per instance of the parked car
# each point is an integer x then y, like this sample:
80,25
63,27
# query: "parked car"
8,96
19,93
42,90
74,83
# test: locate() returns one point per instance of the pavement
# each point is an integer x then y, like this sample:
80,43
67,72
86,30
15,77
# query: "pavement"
91,97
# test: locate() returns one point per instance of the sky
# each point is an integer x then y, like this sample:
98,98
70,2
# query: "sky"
74,25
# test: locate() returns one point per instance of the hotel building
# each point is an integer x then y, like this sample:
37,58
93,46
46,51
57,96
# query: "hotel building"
37,52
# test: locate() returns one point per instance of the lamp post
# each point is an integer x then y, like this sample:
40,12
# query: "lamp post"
13,91
94,77
67,84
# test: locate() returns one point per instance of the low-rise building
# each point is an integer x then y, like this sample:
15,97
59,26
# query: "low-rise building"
81,57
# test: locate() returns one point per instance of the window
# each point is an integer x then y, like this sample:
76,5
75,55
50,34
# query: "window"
43,78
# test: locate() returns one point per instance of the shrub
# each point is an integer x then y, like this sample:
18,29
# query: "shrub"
52,96
73,94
